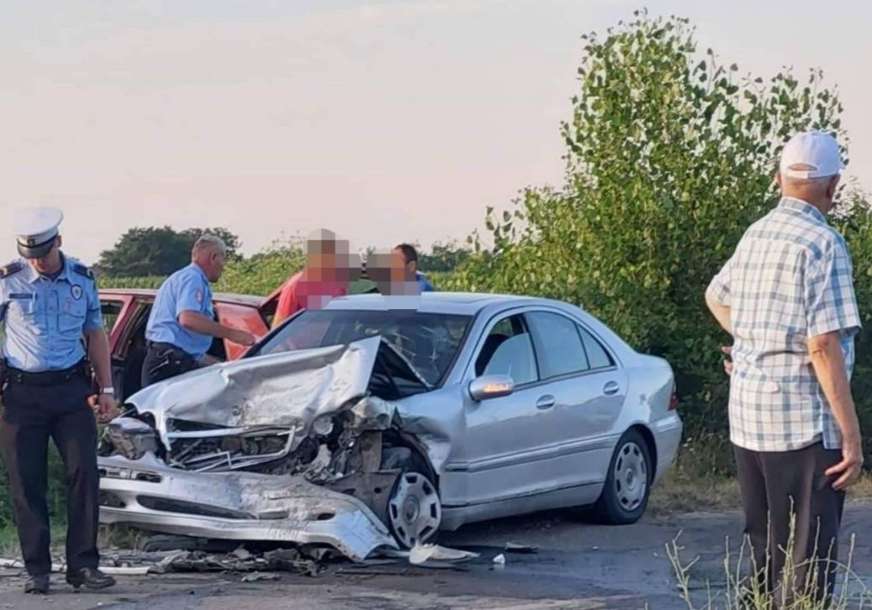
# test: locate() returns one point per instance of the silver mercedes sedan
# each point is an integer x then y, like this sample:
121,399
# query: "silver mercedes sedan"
378,421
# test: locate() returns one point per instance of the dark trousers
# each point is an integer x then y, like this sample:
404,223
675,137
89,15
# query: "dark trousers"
31,415
163,360
776,488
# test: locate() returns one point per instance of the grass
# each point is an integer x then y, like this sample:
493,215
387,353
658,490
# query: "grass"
742,591
109,537
680,492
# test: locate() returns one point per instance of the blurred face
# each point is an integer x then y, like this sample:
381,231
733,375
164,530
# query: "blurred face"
322,259
399,266
51,262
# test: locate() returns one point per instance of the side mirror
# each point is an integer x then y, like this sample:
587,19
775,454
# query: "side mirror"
491,386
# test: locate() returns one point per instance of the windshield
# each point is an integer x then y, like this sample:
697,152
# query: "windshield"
429,341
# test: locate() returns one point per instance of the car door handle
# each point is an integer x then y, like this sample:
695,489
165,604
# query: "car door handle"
610,388
546,402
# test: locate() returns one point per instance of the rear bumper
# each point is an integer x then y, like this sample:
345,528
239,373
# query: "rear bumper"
667,435
236,506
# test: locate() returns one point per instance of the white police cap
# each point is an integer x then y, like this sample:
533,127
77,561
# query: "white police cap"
36,230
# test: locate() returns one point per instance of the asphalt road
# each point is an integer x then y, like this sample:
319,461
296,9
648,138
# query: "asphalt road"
578,566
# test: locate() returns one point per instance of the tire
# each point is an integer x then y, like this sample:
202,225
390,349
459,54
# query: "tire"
414,510
628,483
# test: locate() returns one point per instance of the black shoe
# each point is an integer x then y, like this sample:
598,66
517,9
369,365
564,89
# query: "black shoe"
38,585
90,578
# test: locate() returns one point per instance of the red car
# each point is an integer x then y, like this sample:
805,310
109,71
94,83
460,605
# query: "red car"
125,314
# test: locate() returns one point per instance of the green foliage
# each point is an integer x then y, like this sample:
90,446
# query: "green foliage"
148,281
670,157
263,272
56,490
143,251
443,257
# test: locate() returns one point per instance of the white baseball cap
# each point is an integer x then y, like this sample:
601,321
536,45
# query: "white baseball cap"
811,154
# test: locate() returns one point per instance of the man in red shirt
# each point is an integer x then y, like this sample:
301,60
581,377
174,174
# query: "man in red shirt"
325,276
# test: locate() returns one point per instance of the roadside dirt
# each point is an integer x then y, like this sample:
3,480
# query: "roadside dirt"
578,565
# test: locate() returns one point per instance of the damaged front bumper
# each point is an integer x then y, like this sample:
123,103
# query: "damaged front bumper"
237,506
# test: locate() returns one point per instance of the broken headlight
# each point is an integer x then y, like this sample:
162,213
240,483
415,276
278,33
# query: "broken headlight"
323,425
130,437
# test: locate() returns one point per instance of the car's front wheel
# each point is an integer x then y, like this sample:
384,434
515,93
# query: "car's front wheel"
628,483
414,509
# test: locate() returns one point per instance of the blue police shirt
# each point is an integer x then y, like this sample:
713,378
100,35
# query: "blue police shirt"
46,318
185,290
424,284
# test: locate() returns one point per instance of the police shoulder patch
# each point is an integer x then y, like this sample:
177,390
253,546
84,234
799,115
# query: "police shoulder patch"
83,270
10,269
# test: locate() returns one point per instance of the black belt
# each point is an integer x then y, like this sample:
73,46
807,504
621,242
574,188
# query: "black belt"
169,347
48,378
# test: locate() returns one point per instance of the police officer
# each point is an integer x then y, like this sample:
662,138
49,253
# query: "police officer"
181,324
49,304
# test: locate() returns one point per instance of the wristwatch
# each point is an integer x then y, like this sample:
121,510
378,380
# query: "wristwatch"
110,391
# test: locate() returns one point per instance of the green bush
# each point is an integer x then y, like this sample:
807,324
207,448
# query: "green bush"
670,156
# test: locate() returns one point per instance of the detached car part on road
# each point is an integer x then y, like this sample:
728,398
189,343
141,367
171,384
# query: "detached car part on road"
374,423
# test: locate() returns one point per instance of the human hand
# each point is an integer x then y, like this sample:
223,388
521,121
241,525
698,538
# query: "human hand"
242,337
728,362
850,466
105,407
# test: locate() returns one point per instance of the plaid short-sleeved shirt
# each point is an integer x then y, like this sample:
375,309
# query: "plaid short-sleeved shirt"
789,279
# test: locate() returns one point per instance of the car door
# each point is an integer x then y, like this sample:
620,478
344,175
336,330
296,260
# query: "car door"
116,310
586,391
244,317
505,434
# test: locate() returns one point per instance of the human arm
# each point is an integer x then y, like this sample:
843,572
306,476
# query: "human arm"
828,362
198,322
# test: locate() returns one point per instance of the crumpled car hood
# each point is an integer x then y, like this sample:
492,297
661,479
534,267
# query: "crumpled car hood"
289,389
283,447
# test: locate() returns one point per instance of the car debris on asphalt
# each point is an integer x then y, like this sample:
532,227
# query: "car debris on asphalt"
434,555
266,565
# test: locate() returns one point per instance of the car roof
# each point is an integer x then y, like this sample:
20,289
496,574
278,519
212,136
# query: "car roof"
249,300
459,303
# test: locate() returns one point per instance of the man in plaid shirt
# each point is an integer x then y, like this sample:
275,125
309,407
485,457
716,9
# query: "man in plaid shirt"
787,298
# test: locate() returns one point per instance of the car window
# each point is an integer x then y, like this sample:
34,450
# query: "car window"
514,357
429,341
597,355
558,345
500,332
110,311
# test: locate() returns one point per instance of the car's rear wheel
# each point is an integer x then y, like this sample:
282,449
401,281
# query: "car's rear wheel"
414,509
628,483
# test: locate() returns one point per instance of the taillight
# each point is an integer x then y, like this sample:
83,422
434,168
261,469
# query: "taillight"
673,400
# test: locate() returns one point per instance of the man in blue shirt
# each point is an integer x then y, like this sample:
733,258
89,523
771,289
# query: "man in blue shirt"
182,323
409,259
49,306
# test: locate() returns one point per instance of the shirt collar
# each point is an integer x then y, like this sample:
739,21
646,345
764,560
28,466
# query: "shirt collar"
803,207
202,273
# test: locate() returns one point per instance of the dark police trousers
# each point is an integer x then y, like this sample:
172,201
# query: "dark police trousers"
164,360
32,413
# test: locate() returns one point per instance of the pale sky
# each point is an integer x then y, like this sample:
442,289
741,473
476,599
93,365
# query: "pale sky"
386,121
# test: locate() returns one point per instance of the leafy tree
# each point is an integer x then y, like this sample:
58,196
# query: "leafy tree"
443,257
145,251
670,156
